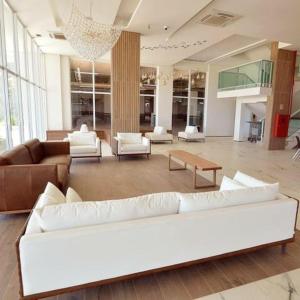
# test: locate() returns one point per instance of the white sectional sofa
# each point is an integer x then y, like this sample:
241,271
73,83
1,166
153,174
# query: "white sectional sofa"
71,245
159,134
130,143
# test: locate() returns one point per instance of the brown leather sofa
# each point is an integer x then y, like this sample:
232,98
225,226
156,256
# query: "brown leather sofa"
26,169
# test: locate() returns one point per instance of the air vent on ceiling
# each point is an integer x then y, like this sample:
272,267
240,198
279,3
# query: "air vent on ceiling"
57,35
218,18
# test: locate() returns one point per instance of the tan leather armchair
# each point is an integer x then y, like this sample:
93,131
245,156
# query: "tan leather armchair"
26,169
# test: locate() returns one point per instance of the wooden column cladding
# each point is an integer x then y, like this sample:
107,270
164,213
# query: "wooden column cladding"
125,71
284,63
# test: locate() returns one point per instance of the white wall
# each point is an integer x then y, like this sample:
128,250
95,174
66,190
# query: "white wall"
219,114
164,98
66,91
54,99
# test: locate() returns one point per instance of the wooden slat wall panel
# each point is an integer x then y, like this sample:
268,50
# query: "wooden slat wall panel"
125,73
282,91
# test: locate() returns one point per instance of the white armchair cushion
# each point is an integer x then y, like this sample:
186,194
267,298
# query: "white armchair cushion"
159,130
81,214
80,139
83,149
191,129
129,137
230,184
84,128
218,199
247,180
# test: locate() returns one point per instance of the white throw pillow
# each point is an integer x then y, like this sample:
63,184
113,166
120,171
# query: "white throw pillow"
87,213
84,128
217,199
248,180
72,196
191,129
159,130
230,184
54,192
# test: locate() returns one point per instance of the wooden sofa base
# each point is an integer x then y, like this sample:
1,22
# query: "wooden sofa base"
148,272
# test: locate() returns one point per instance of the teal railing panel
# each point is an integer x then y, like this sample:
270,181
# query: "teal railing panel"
255,74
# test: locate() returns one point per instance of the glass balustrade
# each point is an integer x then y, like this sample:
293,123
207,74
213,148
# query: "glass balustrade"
254,74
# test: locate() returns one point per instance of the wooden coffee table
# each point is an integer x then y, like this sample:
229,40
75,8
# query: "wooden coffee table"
197,163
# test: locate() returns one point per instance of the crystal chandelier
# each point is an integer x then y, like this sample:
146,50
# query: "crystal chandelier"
90,39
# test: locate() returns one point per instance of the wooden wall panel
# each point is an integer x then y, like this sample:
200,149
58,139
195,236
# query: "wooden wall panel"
282,90
125,74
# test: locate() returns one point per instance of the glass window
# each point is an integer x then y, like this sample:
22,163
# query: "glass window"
102,78
196,113
179,114
147,98
103,111
3,123
180,83
25,110
197,84
35,63
81,75
33,111
9,38
82,109
21,46
14,110
29,57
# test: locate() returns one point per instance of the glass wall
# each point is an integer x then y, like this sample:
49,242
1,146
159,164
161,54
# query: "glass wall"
147,98
96,115
22,83
188,99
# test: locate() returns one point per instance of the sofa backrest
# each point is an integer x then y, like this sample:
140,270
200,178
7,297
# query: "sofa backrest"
19,155
87,213
129,137
35,149
82,138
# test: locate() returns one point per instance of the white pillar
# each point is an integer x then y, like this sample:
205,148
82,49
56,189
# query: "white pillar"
164,97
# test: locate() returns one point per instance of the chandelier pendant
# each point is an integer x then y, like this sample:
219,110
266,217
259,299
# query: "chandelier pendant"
90,39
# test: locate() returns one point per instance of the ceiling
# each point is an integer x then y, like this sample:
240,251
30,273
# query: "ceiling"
267,20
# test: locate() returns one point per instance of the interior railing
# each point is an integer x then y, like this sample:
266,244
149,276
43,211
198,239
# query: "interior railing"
254,74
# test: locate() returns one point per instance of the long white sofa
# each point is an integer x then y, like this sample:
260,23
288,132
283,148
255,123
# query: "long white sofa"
70,244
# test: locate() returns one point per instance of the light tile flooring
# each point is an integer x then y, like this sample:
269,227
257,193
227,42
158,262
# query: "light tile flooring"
250,158
283,286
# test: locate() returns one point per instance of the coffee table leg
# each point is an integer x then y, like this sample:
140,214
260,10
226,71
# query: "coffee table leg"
195,177
169,162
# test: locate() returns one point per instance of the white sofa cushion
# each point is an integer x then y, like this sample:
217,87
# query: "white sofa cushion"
129,137
133,148
248,180
83,149
217,199
79,214
80,139
54,192
72,196
230,184
159,130
191,129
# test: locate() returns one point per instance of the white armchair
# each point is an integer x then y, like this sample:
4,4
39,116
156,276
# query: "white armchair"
191,133
84,144
159,134
128,143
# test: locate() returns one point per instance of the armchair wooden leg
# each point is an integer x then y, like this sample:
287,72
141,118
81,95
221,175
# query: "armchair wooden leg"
283,248
119,157
148,155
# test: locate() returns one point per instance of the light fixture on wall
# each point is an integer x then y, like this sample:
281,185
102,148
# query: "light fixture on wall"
89,38
168,46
